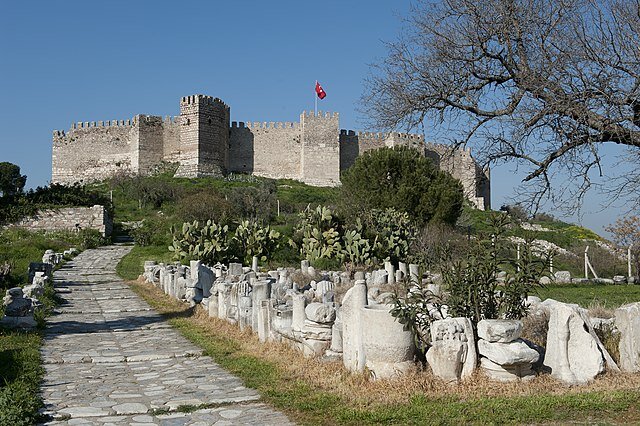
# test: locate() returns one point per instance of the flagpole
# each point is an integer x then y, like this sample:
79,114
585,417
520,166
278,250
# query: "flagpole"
316,100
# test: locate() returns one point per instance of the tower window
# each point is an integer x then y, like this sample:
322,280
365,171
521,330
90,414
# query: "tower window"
188,121
209,121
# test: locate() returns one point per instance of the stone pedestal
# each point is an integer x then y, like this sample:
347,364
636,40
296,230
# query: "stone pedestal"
628,323
354,300
388,348
391,272
261,290
299,315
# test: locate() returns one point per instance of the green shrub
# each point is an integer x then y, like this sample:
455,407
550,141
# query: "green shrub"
254,203
471,285
357,250
91,238
403,179
203,205
318,234
193,241
152,231
254,239
475,292
390,232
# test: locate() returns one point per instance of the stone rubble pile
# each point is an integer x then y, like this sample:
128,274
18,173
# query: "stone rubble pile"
504,355
19,304
300,307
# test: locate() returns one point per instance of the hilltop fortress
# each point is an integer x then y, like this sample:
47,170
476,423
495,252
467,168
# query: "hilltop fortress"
204,142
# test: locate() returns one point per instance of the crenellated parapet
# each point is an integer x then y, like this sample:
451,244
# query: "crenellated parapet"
320,114
203,100
265,125
108,123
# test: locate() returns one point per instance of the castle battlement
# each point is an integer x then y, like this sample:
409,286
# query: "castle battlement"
205,142
320,114
202,100
108,123
382,136
264,125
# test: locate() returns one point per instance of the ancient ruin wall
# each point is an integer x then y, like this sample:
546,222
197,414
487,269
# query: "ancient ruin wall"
271,150
149,150
349,149
353,144
204,143
70,219
461,165
171,139
93,151
320,160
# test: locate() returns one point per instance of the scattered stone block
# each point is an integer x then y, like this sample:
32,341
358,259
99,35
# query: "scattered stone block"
506,373
619,279
573,354
514,352
34,267
15,304
452,355
235,269
322,313
628,323
562,277
502,331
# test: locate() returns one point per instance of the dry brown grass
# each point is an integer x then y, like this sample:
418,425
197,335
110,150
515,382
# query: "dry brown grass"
357,388
598,309
535,327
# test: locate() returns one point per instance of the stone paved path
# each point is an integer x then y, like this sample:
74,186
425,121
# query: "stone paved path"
111,360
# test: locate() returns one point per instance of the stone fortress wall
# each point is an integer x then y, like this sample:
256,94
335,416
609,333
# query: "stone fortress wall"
204,142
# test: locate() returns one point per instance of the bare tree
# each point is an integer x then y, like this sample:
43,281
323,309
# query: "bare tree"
626,234
545,82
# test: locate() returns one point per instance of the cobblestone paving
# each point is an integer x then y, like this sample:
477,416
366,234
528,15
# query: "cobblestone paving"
110,359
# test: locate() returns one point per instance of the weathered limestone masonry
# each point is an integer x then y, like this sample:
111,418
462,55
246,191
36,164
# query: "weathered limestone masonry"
205,143
70,219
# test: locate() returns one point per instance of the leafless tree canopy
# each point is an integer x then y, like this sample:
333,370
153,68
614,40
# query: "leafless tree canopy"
546,82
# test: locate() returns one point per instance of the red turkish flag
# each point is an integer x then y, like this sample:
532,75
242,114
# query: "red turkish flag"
320,91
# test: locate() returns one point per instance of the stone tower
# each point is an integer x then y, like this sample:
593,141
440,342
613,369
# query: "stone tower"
204,137
320,156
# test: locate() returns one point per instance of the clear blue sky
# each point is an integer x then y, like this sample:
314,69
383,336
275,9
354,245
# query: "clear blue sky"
67,61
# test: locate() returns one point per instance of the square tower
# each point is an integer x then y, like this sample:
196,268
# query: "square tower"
320,156
204,137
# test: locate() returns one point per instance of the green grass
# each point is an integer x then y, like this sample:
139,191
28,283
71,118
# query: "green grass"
132,265
610,296
20,247
20,364
20,376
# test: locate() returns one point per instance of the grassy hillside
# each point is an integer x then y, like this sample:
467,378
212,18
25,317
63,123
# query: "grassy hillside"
161,201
